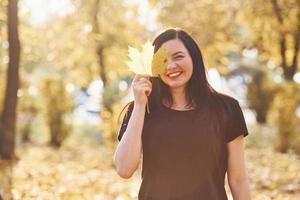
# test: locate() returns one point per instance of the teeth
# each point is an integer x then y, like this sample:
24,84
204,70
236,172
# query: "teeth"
174,74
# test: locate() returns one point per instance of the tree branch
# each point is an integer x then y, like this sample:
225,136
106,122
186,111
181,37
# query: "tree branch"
277,11
297,43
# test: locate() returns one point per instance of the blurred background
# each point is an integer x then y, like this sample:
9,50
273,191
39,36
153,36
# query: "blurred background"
64,82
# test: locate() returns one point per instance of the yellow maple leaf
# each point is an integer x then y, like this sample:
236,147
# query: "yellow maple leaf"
145,62
158,62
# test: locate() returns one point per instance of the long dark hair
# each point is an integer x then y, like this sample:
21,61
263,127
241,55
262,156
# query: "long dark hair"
198,89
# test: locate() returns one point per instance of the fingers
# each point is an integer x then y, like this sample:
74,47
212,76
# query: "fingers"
142,84
138,77
144,87
147,90
145,81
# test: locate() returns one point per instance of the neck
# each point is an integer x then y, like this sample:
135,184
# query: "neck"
178,96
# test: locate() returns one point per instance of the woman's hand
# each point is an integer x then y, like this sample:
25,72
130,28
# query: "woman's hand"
142,88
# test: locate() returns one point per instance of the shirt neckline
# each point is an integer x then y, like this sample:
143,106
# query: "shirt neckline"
178,111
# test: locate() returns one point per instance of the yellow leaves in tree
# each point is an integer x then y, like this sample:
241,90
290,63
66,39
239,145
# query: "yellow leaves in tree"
146,62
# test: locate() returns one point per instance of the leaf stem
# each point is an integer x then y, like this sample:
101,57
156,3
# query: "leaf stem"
148,111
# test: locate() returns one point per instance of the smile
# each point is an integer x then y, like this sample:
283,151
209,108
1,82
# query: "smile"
174,74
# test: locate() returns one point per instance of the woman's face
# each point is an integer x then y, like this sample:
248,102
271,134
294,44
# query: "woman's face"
179,65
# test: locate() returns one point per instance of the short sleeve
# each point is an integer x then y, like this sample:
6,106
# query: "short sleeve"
236,125
125,121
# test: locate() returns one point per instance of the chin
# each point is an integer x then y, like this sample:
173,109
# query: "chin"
176,85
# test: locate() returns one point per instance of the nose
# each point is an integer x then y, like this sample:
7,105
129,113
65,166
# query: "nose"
171,65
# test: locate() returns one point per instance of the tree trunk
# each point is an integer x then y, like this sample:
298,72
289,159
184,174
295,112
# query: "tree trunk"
100,43
288,71
261,117
100,53
8,119
6,180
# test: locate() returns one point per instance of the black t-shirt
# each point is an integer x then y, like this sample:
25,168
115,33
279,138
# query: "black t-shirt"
184,152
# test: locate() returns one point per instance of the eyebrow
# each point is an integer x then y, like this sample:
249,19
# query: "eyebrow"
178,52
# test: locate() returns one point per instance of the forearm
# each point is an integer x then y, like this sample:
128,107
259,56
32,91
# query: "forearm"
128,151
240,190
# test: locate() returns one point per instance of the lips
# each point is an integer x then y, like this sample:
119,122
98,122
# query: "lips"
174,74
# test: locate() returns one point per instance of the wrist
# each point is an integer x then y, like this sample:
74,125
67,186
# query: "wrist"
139,105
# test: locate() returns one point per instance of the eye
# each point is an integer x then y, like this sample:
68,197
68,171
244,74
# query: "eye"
179,56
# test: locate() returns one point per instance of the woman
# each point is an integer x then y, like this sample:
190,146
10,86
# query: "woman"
192,136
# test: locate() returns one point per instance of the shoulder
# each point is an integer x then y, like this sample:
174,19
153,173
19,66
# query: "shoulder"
127,109
130,107
228,107
227,102
226,97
